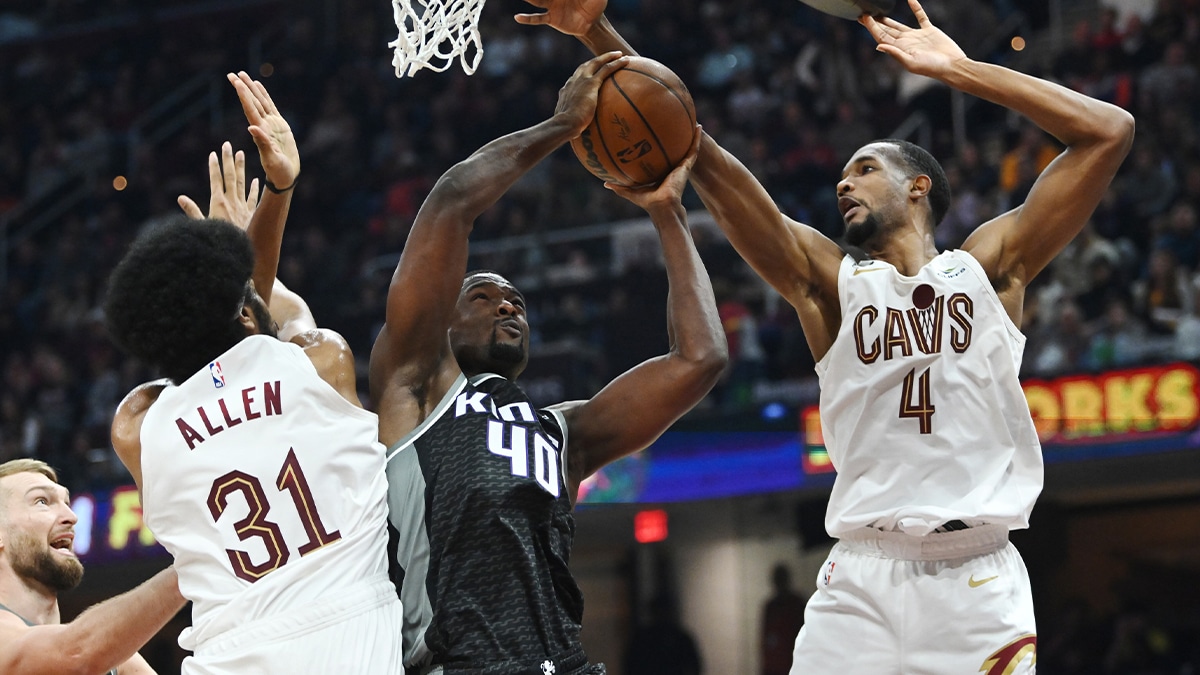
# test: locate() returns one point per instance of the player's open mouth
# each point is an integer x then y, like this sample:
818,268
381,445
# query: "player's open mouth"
63,545
848,206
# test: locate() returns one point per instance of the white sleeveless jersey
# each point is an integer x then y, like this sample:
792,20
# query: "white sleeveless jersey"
266,486
921,409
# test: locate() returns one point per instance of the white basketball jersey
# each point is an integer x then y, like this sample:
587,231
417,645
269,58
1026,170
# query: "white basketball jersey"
266,486
922,412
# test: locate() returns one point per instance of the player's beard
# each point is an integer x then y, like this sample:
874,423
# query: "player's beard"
504,353
857,235
35,560
262,316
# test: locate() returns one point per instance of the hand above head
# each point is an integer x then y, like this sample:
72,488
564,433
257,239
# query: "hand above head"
572,17
277,150
669,192
229,197
577,98
924,50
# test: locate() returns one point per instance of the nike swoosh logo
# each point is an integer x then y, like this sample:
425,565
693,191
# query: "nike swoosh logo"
864,270
976,584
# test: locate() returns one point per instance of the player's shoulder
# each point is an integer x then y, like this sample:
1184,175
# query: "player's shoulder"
566,406
9,622
12,628
141,398
127,421
568,410
321,341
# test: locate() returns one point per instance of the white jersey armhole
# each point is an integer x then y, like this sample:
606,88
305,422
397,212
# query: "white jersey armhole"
1014,331
843,273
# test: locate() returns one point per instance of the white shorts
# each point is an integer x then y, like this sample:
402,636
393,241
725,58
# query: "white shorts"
356,633
949,603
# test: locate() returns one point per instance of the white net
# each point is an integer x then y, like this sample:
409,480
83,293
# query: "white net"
435,32
928,320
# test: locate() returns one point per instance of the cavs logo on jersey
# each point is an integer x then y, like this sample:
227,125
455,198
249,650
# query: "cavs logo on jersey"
1006,659
900,332
218,378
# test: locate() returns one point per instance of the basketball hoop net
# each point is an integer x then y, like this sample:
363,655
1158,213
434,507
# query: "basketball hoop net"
434,32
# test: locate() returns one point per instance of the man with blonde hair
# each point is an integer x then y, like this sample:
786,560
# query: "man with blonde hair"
37,532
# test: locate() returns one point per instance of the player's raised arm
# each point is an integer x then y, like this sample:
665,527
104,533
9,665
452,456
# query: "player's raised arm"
1019,244
280,158
102,637
421,298
637,407
798,261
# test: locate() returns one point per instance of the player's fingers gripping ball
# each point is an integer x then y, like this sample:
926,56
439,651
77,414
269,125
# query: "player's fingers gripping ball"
644,125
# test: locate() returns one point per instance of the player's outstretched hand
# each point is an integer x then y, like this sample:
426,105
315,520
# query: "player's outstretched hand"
668,193
924,50
277,150
577,98
573,17
229,197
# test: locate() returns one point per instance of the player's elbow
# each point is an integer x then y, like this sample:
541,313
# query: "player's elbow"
1116,129
707,362
1124,128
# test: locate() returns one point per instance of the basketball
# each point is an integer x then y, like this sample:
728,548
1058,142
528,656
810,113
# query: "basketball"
644,125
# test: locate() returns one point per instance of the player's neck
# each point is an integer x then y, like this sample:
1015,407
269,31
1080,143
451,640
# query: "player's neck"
28,599
907,250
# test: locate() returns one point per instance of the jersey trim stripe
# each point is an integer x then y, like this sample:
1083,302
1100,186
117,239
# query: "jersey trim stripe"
407,440
566,443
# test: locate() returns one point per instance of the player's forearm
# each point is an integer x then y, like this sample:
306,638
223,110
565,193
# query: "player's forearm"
290,312
266,236
136,665
474,184
110,633
746,214
1071,117
693,326
604,38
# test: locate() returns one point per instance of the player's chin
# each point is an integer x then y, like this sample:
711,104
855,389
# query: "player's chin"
861,228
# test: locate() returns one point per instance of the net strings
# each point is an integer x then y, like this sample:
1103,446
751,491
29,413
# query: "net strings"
433,33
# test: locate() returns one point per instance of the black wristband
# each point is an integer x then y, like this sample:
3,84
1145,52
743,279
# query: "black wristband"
271,186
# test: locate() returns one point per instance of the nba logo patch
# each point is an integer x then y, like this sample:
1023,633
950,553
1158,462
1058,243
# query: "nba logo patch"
828,571
214,369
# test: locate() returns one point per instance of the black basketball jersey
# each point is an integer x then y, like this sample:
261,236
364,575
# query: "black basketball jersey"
482,529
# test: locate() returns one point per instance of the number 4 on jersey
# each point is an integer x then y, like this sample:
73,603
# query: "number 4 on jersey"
922,409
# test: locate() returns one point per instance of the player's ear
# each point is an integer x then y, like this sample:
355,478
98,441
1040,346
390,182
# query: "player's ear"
246,318
920,186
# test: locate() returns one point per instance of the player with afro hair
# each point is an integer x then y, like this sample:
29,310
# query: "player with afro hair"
182,295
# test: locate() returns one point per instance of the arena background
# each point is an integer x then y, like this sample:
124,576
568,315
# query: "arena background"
108,110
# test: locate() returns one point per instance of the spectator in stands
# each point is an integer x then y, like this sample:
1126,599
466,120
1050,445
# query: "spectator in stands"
1119,339
662,646
1021,165
1165,294
782,619
1170,80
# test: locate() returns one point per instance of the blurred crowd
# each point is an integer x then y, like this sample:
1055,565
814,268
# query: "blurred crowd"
790,92
84,166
